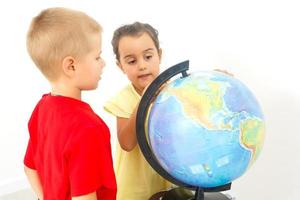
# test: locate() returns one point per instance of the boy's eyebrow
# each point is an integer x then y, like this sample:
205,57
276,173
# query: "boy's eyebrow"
129,55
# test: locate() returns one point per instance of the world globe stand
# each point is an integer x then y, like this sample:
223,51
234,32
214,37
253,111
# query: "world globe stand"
180,193
175,193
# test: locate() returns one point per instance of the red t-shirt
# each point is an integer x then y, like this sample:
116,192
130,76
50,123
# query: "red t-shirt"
69,146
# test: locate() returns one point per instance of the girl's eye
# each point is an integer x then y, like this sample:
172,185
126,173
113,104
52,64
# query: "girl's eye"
148,57
131,62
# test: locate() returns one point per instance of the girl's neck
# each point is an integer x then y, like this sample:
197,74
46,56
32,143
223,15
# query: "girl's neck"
140,92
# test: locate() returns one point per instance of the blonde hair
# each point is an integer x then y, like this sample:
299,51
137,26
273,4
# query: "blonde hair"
56,33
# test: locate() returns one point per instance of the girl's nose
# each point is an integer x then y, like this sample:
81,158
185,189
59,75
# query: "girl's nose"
142,66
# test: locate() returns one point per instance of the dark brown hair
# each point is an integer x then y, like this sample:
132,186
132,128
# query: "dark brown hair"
134,29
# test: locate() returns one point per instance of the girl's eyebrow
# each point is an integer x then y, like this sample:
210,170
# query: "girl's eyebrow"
127,56
146,50
149,49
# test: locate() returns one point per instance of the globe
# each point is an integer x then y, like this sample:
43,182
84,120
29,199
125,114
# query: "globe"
204,129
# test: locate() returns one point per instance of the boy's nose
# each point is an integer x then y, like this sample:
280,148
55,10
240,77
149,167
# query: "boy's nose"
103,64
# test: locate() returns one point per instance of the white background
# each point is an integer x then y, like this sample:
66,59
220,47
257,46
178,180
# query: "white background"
258,41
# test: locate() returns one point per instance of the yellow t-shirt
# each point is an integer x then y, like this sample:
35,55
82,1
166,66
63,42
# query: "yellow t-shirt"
136,180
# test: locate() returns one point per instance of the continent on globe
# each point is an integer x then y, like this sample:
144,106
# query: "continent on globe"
205,129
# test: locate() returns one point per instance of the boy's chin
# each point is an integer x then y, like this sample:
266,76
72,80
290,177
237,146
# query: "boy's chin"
91,87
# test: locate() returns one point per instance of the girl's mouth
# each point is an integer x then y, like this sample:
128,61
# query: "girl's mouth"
144,76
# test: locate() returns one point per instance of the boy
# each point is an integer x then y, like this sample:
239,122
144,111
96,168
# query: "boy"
68,154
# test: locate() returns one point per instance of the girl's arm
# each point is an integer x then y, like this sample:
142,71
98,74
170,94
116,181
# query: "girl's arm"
34,181
126,128
126,131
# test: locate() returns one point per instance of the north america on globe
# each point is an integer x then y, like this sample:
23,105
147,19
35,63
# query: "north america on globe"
206,129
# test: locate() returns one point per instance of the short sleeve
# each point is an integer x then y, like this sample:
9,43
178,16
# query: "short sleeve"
89,162
28,159
116,110
30,151
124,103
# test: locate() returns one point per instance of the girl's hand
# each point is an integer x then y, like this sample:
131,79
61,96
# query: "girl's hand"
224,71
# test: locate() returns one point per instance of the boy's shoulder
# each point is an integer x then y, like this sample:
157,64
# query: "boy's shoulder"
69,111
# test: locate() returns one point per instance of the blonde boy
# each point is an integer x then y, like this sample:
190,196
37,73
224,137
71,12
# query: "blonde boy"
68,154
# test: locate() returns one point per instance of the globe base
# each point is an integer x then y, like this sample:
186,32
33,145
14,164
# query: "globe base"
181,193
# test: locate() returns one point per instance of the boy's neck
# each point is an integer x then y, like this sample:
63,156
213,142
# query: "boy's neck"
61,89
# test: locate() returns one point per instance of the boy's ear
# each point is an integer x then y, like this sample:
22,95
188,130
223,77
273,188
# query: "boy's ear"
68,66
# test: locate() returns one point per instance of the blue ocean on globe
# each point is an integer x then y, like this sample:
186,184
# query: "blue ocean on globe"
205,129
